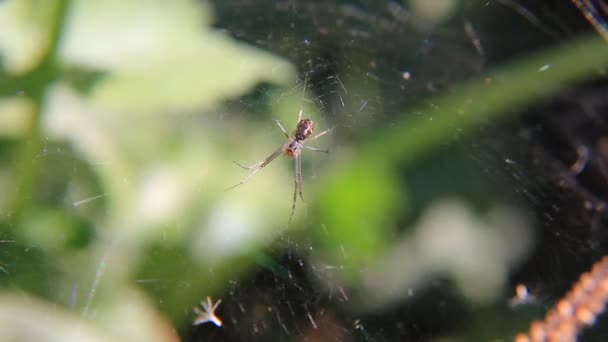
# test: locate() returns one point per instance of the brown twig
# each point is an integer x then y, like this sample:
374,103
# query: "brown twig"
576,310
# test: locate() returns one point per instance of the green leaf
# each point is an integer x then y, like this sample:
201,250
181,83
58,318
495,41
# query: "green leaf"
366,196
163,55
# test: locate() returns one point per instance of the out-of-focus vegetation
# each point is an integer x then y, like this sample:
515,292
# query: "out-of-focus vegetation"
117,142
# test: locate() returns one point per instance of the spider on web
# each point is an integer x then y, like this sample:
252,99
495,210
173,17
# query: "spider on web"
292,148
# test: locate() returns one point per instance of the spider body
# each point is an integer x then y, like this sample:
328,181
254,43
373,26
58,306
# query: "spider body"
292,148
304,129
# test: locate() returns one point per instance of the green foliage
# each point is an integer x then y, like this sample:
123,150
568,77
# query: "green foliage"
368,197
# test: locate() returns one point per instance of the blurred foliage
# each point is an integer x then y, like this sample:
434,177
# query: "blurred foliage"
147,176
116,144
501,93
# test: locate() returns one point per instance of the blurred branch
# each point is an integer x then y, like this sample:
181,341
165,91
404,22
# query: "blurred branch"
592,16
578,309
499,94
33,85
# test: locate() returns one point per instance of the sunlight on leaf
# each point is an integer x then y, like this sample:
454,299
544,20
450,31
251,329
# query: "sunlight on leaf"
434,11
23,33
24,318
131,305
164,55
16,118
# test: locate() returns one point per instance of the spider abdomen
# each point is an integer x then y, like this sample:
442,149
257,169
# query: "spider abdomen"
304,129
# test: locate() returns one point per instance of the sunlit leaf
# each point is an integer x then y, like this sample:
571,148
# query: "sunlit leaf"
163,55
24,318
23,33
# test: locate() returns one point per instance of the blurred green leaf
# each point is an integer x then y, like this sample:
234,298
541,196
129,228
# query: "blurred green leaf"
367,197
24,318
24,33
53,230
163,56
496,95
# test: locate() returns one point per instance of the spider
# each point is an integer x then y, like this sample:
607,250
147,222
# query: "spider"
292,148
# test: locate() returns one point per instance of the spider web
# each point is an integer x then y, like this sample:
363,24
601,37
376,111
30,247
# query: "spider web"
296,295
513,200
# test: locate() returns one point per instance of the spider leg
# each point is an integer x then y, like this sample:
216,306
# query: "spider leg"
244,180
315,149
257,167
293,204
282,129
249,167
304,88
300,115
299,175
321,134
